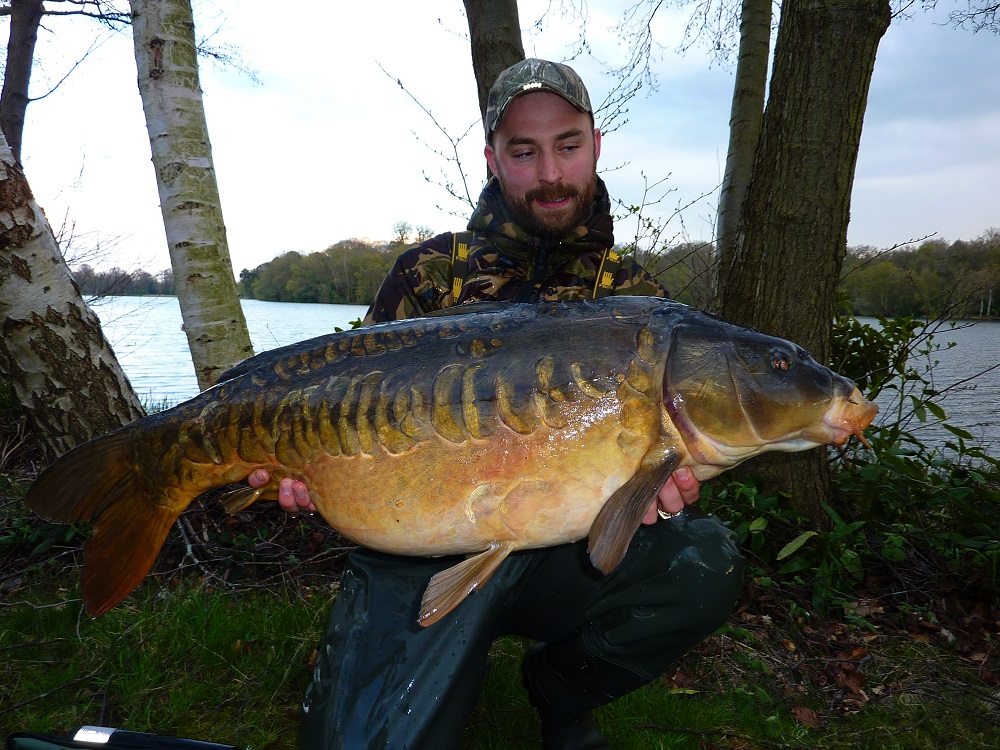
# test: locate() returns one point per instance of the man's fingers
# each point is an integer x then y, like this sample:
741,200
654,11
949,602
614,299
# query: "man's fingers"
688,486
293,495
680,490
670,499
301,494
258,478
286,496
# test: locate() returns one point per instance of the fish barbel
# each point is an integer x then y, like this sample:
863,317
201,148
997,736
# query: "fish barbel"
476,432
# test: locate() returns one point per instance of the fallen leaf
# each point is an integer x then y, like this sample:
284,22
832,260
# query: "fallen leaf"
851,680
805,715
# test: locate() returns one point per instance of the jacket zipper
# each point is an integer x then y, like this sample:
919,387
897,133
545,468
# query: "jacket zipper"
526,292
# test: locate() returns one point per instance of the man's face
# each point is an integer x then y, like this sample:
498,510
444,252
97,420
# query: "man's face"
544,154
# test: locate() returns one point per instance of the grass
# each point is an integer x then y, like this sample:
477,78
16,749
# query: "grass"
182,656
742,703
191,661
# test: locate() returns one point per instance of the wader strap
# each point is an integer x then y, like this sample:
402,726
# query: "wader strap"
459,262
605,281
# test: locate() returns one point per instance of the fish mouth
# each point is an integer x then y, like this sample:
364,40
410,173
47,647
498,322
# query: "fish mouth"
849,416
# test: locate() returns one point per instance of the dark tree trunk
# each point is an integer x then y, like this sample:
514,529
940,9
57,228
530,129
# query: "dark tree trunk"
495,32
25,15
745,118
782,276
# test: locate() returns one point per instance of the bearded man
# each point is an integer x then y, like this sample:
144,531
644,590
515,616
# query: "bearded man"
542,231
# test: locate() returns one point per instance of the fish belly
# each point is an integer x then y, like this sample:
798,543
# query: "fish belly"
444,498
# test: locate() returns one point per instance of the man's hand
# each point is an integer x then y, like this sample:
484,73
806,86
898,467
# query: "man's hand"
682,489
293,495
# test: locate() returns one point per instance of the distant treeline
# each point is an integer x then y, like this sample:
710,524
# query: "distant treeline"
349,272
118,281
961,278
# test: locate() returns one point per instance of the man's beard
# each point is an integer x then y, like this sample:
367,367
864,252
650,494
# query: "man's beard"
541,223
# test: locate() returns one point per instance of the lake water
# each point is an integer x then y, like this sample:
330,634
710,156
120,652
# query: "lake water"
152,349
151,346
968,376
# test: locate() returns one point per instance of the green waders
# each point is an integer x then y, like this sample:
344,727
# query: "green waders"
382,681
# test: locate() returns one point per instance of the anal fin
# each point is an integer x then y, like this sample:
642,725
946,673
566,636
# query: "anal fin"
619,519
448,588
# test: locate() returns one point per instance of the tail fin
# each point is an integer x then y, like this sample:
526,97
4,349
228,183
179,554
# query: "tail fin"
95,482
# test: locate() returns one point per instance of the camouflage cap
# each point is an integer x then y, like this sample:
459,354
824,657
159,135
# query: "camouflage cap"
534,75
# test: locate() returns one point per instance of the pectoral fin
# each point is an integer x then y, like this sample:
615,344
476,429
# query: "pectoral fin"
622,514
449,587
240,498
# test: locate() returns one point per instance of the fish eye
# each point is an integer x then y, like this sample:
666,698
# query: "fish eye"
781,360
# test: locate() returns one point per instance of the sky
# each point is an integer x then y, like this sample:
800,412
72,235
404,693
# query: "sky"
326,145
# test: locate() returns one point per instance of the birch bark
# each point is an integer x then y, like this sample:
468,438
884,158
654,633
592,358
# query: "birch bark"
167,63
61,367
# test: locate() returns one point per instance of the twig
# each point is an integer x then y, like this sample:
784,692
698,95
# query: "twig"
30,644
38,607
184,526
452,141
22,704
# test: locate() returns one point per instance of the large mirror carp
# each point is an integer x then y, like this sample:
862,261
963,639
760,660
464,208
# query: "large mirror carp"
487,430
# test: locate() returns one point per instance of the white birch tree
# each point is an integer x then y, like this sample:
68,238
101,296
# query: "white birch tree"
167,62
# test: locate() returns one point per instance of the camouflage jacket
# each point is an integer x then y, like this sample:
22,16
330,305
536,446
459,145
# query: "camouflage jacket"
507,264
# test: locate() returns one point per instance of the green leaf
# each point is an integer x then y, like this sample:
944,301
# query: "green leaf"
833,514
759,524
958,432
795,544
936,410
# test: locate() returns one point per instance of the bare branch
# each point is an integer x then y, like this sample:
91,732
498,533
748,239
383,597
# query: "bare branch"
977,19
103,11
224,54
75,65
465,196
875,256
